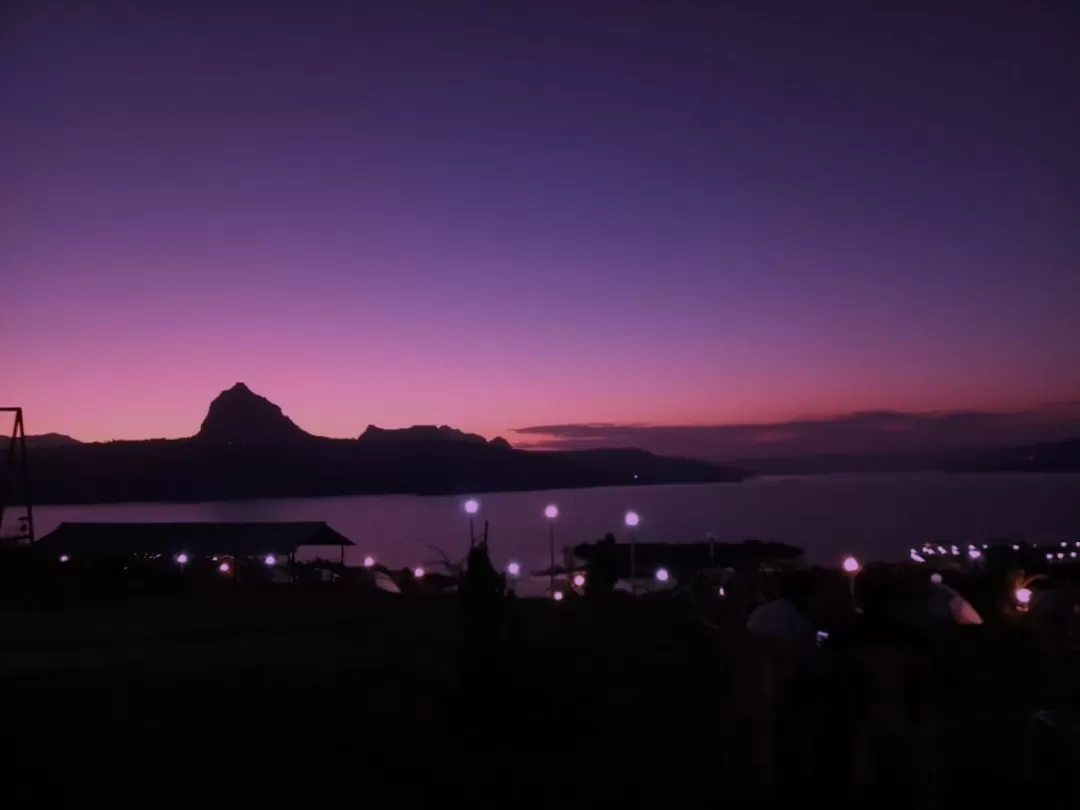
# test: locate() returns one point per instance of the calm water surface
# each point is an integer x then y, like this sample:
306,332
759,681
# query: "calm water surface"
876,516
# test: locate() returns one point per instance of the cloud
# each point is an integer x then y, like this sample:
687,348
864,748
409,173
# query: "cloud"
861,432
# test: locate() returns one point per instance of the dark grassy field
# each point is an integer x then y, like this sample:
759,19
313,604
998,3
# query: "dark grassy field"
281,689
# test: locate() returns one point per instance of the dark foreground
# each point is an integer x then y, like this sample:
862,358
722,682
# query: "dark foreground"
276,692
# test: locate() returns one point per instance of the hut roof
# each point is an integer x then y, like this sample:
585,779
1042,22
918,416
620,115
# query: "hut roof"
241,539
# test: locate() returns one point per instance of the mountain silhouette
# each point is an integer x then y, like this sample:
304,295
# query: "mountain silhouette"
240,416
247,447
420,433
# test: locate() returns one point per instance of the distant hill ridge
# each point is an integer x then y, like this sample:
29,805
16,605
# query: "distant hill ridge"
246,447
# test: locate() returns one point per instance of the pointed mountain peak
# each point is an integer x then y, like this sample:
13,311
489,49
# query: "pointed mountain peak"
240,416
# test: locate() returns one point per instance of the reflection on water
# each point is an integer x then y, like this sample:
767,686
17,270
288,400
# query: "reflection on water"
875,516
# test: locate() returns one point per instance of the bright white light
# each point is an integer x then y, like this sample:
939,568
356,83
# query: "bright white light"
182,558
369,561
722,592
557,596
270,560
930,552
632,519
418,572
851,565
223,568
513,569
1063,545
917,557
1023,596
1049,556
974,554
935,578
986,546
551,511
941,550
1060,556
1016,546
579,580
662,575
472,506
64,558
1072,554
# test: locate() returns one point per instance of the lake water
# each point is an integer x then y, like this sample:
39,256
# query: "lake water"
874,516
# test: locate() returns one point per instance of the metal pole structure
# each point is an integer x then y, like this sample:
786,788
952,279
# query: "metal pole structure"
551,544
472,534
712,549
26,481
633,560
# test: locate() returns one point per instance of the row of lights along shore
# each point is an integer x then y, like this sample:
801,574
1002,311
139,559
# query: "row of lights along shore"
631,520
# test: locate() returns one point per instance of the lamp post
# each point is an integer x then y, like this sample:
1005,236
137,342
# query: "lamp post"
851,568
632,519
472,506
551,511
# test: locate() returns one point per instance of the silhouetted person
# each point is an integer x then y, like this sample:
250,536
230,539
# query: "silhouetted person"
602,570
883,685
482,600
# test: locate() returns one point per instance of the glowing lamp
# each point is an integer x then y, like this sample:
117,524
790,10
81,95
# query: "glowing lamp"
472,506
551,511
182,558
579,580
557,596
974,553
270,560
513,569
722,592
935,578
418,572
851,565
369,561
223,568
1023,596
632,519
64,558
662,575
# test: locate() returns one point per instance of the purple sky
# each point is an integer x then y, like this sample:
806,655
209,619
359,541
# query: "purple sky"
492,217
